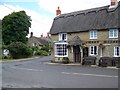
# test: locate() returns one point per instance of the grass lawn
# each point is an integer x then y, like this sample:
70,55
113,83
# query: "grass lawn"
2,60
11,60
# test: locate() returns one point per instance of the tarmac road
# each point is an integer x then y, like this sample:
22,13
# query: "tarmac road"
36,73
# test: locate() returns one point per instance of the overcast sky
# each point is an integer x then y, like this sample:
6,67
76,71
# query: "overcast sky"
42,12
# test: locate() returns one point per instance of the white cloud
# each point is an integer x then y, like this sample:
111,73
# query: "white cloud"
40,23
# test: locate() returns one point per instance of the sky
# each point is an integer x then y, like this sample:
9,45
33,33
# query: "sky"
43,12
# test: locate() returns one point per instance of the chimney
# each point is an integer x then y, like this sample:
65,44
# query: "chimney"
41,35
58,11
113,2
31,34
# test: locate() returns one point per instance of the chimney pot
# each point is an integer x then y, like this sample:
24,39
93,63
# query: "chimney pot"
31,34
113,2
58,11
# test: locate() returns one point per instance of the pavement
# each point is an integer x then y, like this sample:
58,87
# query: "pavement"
78,64
59,63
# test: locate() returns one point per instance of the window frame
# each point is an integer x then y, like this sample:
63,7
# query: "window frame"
93,50
92,34
115,53
113,32
61,36
55,49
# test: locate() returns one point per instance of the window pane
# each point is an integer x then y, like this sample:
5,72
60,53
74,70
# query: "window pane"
95,34
115,33
111,33
91,34
62,36
95,50
91,50
117,51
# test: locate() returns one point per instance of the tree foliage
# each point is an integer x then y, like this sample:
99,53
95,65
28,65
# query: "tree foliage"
15,27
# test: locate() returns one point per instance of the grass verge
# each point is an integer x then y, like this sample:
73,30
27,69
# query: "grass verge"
7,60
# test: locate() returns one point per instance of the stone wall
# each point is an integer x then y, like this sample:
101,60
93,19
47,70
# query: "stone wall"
103,36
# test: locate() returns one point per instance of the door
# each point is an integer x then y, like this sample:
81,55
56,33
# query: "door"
77,54
85,52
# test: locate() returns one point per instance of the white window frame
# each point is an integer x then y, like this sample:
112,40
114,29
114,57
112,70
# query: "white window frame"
34,44
93,54
92,34
113,33
61,35
115,51
55,49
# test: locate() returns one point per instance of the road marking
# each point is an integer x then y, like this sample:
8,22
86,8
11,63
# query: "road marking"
84,74
27,69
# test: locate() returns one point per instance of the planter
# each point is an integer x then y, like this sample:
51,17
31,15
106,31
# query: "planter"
65,60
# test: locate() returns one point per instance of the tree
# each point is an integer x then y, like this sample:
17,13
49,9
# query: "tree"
15,27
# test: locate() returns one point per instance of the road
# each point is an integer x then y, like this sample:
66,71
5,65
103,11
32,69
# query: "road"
36,73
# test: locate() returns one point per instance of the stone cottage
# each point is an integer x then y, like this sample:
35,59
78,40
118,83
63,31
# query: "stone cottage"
93,32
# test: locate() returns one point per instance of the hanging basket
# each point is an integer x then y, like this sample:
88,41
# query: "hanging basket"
101,45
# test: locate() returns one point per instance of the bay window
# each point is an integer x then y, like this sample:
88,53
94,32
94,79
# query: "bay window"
61,50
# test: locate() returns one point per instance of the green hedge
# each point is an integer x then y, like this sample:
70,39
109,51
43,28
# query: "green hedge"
19,50
41,53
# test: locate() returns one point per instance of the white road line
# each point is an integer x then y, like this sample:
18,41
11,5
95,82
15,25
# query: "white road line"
27,69
84,74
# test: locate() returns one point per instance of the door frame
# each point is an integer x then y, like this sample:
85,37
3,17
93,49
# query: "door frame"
77,53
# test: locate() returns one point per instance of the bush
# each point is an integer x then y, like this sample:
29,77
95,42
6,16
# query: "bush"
19,50
41,53
45,48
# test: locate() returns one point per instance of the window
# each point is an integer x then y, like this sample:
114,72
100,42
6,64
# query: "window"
61,50
34,44
62,36
93,34
113,33
93,50
117,51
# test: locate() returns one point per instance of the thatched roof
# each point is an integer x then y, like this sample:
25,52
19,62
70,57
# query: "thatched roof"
75,41
92,19
37,40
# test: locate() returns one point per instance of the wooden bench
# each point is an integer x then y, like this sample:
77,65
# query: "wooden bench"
108,61
90,60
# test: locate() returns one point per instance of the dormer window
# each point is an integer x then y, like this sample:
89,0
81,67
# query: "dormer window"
113,33
62,36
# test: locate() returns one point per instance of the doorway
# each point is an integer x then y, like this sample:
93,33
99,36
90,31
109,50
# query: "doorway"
85,52
77,54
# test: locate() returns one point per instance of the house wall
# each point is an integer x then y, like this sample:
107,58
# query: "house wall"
103,35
